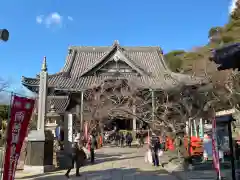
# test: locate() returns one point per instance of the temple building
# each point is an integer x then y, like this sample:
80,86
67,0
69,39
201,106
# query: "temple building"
86,66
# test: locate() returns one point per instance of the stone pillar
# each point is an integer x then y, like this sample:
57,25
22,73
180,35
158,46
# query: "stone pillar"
68,137
134,122
82,111
37,159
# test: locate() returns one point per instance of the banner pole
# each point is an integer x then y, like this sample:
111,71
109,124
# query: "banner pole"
6,133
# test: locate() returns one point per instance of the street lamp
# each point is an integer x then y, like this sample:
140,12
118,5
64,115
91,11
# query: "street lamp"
4,35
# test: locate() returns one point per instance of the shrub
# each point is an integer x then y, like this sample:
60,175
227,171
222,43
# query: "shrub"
174,63
192,56
174,53
227,39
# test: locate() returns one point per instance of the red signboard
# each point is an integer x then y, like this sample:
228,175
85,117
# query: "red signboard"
215,147
21,112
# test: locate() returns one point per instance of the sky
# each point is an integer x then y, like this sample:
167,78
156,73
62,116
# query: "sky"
49,27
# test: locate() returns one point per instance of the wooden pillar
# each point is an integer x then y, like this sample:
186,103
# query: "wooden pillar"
81,111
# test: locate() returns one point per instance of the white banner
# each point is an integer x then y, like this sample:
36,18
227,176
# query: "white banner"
70,127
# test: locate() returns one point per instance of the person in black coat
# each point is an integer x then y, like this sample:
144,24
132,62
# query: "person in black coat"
93,144
122,138
129,139
78,157
155,146
141,139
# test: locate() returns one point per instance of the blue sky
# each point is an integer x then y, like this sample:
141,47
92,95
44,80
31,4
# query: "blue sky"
48,27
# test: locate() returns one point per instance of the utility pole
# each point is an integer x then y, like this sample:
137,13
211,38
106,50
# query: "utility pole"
4,35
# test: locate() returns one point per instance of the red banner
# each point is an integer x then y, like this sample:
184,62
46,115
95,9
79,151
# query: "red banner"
21,112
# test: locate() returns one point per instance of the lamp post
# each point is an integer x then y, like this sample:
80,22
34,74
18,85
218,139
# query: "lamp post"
4,35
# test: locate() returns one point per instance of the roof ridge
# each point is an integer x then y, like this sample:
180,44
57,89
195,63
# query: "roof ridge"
125,46
137,65
99,60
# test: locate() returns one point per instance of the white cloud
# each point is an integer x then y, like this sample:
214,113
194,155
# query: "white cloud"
232,6
39,19
52,20
70,18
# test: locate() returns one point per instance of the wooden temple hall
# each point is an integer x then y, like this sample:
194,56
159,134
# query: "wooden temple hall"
88,66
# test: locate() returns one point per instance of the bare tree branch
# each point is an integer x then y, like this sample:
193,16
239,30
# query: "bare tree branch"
3,84
117,97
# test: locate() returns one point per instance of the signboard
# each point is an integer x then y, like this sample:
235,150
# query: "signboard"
21,112
215,152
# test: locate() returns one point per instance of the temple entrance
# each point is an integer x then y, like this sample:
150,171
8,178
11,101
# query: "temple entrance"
118,123
122,123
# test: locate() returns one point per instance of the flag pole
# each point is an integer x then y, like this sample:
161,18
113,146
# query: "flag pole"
6,133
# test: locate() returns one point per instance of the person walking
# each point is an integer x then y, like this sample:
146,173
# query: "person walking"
78,157
141,138
93,144
122,138
118,138
155,145
130,139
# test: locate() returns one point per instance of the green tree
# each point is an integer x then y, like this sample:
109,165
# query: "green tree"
190,56
173,59
214,31
4,110
174,53
174,63
227,39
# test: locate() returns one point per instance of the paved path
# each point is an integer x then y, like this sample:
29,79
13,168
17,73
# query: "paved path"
112,164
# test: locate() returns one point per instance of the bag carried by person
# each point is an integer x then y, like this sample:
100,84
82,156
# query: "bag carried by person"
86,152
148,156
160,153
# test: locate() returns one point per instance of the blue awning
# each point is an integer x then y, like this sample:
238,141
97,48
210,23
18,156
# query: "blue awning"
224,119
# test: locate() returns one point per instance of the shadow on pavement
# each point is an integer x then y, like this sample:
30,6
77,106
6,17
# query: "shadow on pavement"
102,155
103,160
110,174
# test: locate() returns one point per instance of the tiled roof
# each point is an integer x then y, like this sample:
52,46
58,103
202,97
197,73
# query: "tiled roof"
60,103
82,59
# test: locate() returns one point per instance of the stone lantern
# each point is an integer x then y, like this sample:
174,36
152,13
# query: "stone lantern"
52,119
